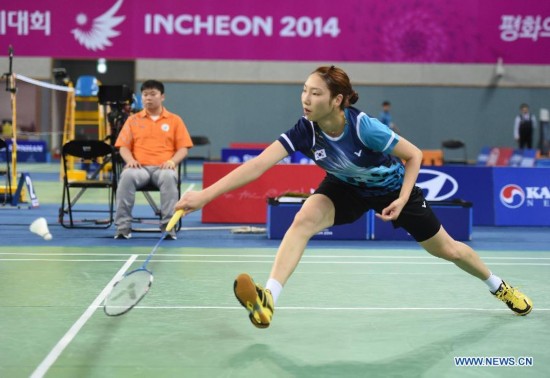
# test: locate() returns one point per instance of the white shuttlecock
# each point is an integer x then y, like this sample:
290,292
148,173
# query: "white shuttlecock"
40,227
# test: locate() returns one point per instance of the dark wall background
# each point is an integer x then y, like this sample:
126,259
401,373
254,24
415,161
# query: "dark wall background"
119,72
426,115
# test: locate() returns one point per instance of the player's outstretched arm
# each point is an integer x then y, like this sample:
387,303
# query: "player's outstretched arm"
240,176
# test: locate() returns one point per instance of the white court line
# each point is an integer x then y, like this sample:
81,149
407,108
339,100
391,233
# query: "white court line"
270,260
188,189
408,257
301,308
66,260
71,333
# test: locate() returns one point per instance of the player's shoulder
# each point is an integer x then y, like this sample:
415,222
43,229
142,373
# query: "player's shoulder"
357,115
304,122
354,112
302,125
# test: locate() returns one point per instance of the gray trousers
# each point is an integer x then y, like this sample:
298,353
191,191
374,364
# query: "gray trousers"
132,179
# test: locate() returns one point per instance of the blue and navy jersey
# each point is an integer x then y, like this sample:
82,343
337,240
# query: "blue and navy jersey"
359,156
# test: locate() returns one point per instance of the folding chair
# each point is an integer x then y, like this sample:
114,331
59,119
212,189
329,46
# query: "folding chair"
98,152
146,191
7,196
457,145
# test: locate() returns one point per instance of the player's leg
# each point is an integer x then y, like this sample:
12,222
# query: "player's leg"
130,179
420,221
316,214
444,246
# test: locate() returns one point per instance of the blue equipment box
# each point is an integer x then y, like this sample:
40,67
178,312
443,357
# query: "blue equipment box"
281,214
456,216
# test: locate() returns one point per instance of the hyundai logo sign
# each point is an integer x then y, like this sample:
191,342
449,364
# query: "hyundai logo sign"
437,186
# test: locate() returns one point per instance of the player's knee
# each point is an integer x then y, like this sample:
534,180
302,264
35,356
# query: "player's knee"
452,252
308,223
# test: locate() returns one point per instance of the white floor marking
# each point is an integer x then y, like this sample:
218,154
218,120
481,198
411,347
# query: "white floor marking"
269,260
270,253
301,308
50,359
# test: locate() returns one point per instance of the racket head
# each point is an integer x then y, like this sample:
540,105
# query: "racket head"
128,292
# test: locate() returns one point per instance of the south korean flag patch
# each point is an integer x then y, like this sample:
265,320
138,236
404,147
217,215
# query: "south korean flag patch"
320,154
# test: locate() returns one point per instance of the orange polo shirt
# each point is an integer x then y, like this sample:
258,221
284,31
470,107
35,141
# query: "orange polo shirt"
154,142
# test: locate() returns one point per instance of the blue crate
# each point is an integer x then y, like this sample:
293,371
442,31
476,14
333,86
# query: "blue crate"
280,216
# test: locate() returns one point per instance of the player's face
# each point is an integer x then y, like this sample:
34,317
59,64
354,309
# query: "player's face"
316,100
152,99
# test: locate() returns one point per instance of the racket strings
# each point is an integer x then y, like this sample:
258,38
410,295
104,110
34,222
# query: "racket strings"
128,292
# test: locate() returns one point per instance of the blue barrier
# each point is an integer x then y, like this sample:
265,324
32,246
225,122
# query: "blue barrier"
521,196
28,151
470,183
456,217
240,155
281,215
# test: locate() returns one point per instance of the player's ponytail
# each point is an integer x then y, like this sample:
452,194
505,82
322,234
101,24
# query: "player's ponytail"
338,82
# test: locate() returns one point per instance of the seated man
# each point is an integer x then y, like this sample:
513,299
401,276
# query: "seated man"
152,143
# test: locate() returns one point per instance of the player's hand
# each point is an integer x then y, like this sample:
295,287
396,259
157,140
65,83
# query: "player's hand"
191,201
393,210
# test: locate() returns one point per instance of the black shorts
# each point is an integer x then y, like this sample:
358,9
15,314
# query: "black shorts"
350,203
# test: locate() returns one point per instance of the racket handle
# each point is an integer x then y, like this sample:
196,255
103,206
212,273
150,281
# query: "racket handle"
175,218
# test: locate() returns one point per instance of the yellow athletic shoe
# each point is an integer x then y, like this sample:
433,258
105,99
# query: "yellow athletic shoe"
257,300
514,299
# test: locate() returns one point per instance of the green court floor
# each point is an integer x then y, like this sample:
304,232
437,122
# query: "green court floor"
345,313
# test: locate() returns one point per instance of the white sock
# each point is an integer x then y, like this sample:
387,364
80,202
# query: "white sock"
493,282
275,287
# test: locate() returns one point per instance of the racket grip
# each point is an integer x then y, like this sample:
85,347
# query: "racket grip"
175,218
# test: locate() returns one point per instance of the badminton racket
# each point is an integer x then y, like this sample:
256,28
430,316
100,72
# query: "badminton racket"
133,286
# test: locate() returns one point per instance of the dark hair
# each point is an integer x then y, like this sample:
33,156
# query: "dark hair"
386,103
338,82
152,84
524,105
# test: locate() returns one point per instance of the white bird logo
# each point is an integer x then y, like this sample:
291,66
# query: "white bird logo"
97,36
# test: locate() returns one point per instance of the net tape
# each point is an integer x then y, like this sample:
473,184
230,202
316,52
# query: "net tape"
43,84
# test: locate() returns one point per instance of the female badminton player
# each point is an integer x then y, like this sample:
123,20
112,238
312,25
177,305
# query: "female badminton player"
368,166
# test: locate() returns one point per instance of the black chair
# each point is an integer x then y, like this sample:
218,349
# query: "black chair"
461,157
200,142
7,196
102,154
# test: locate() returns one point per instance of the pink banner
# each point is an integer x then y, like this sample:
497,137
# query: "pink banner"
455,31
